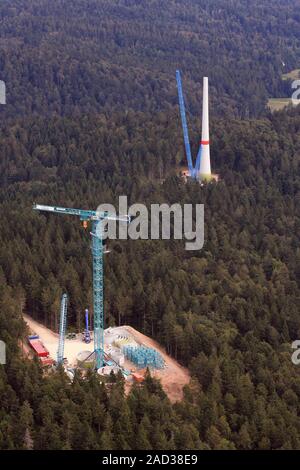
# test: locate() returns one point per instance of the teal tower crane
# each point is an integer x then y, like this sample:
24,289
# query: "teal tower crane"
97,218
62,328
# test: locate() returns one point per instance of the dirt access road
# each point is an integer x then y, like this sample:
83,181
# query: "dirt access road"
50,340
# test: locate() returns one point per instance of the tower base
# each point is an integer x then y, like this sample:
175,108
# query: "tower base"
209,178
184,173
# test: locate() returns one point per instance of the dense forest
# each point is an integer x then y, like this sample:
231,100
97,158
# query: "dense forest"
68,57
91,114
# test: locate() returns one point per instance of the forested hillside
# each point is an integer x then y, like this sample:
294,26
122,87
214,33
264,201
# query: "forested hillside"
69,57
92,115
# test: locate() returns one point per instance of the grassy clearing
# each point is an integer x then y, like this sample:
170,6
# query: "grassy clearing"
277,104
293,75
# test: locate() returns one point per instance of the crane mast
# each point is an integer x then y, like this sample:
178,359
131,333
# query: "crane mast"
184,124
198,160
96,218
62,328
97,247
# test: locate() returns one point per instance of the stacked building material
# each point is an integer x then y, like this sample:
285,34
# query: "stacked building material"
122,341
142,357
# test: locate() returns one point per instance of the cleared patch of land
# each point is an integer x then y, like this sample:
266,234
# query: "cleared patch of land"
50,340
292,75
173,376
276,104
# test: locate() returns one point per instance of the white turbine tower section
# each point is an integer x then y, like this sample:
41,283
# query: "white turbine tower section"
205,170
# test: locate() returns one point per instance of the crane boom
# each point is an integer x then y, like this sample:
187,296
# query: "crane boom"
82,213
184,124
97,218
198,160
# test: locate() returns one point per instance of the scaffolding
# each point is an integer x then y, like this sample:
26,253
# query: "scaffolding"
143,357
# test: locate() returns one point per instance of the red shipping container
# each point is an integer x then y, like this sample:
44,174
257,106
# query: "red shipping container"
39,348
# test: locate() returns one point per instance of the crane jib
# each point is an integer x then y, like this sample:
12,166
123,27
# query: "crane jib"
82,213
97,249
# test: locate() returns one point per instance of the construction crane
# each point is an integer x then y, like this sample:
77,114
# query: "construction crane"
193,170
198,161
87,335
62,328
184,125
96,217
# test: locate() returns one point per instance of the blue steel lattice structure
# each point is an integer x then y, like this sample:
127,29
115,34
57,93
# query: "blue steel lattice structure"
143,356
97,247
96,217
87,335
62,328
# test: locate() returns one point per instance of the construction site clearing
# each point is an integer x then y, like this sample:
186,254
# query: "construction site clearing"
124,349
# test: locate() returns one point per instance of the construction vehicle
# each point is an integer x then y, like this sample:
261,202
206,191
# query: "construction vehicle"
87,334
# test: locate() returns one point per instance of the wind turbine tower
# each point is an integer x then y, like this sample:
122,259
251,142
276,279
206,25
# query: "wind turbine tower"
201,171
205,170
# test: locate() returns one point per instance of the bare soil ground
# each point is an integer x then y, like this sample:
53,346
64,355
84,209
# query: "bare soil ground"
50,340
276,104
292,75
173,377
